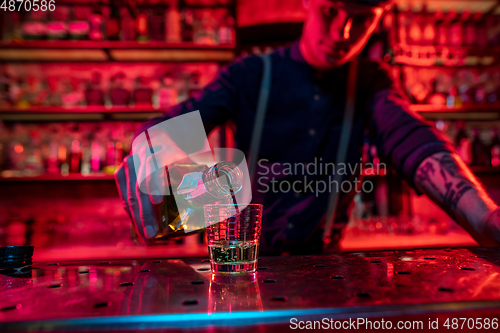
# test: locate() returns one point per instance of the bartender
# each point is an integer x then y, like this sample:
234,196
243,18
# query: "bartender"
303,124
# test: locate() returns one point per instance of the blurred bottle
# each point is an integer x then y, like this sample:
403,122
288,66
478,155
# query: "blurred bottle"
113,23
187,25
443,29
94,95
143,93
78,27
127,24
96,21
114,152
73,94
117,93
495,148
166,95
429,31
52,158
57,27
415,28
35,27
75,156
480,90
453,100
141,25
482,30
456,31
226,30
480,152
403,22
205,32
173,23
157,22
53,97
462,143
470,31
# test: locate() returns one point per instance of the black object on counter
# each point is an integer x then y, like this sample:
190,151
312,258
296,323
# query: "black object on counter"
16,260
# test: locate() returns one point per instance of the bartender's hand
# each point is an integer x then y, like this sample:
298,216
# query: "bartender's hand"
140,198
446,179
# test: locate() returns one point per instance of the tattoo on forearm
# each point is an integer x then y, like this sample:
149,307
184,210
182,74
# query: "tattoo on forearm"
455,183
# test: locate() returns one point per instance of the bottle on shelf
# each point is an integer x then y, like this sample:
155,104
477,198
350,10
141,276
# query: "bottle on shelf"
166,95
462,143
156,20
143,93
415,28
113,23
226,33
118,94
94,94
205,31
75,154
173,23
57,26
470,31
73,94
453,100
495,149
187,25
480,152
429,31
96,22
78,27
127,24
141,25
455,30
54,93
35,27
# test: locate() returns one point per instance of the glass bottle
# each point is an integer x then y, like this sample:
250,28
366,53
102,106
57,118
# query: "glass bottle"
143,93
127,31
462,143
157,23
173,23
187,25
117,93
113,23
142,26
96,22
197,185
78,27
480,152
57,27
94,95
166,95
495,149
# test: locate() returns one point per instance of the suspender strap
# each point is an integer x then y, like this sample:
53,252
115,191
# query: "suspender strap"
345,136
265,87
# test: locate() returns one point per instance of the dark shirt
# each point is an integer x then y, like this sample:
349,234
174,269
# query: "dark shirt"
302,127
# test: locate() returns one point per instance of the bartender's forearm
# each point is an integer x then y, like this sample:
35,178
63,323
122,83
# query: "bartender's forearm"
449,183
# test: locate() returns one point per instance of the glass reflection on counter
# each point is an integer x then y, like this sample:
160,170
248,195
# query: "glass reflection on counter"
234,293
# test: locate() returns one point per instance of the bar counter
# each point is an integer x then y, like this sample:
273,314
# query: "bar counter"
182,294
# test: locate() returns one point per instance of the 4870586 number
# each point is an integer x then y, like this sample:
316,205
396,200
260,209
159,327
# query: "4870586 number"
471,323
28,5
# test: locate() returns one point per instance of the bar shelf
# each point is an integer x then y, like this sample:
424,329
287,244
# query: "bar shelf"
59,177
101,112
472,112
85,50
446,55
